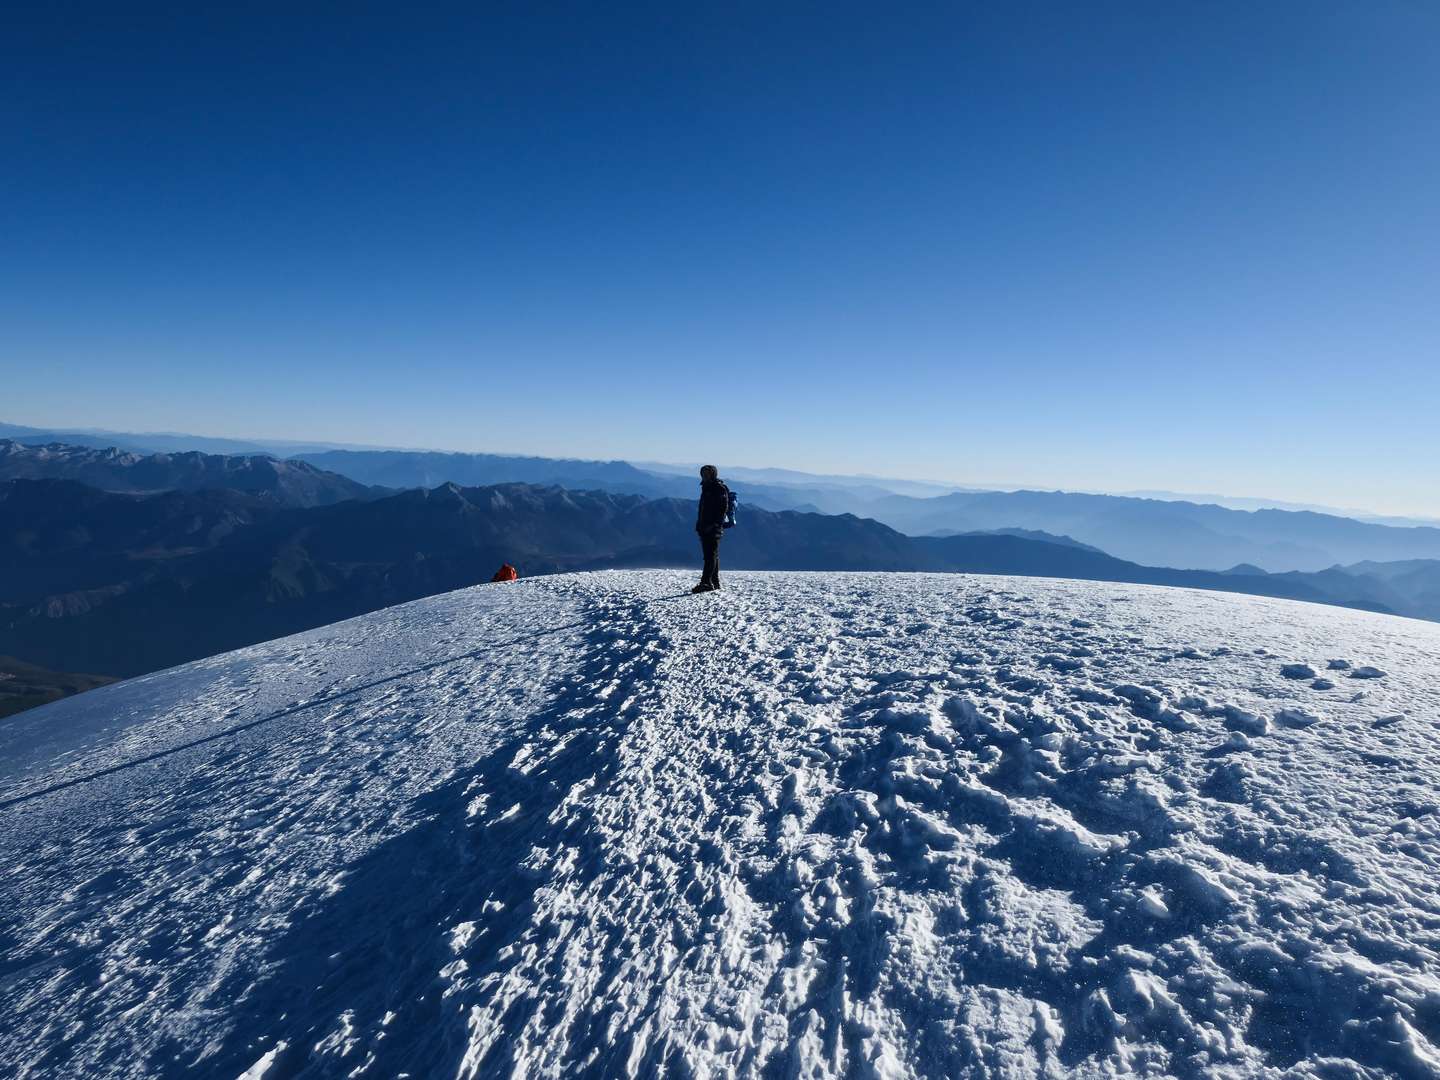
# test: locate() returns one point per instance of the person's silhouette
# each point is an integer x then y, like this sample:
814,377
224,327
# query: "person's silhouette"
710,525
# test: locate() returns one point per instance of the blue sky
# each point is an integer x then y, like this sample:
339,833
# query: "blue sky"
1102,246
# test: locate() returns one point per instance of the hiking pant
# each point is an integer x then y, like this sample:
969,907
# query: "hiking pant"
710,545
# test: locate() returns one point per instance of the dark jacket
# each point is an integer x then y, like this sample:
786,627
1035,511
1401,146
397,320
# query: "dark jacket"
714,504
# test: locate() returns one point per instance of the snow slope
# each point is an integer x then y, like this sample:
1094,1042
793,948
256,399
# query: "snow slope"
815,825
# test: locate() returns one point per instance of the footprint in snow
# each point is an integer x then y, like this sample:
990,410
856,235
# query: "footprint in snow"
1248,723
1367,673
1295,718
1226,782
1237,742
1297,671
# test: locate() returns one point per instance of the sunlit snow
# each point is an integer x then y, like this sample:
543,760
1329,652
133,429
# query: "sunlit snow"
814,825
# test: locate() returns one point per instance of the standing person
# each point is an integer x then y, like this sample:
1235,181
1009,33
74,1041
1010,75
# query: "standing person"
710,524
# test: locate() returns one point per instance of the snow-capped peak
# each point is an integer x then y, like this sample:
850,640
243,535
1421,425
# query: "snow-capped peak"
812,825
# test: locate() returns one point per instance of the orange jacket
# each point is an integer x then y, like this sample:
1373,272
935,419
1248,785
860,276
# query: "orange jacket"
505,573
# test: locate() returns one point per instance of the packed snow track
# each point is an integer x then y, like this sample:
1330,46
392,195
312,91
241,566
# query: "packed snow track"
813,825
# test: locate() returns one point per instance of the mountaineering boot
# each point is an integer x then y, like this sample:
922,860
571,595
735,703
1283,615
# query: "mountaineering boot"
703,587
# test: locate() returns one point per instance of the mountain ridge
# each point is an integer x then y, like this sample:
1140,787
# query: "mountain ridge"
289,482
1172,531
139,587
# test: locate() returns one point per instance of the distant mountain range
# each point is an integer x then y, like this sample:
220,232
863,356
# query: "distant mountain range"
766,489
1148,531
1167,533
119,561
1236,502
161,442
861,486
120,584
286,482
446,466
1161,531
398,469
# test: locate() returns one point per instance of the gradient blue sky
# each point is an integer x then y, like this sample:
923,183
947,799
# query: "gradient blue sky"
1096,245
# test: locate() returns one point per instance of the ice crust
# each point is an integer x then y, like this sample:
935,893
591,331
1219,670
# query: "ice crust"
810,826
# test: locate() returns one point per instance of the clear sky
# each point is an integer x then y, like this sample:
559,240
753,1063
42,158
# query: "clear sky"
1192,246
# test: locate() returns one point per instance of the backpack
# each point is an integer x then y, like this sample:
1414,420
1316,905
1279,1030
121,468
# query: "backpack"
730,501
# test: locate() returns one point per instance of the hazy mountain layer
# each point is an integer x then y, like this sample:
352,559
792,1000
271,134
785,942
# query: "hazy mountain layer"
288,483
1167,533
416,469
1153,531
120,585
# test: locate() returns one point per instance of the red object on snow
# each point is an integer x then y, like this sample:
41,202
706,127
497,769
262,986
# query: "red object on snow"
506,573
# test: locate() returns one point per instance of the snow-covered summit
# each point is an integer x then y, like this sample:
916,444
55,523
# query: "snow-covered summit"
815,825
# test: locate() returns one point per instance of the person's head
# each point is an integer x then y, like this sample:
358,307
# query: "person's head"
709,472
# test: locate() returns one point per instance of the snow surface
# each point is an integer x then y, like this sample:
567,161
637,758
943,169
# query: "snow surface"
814,825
